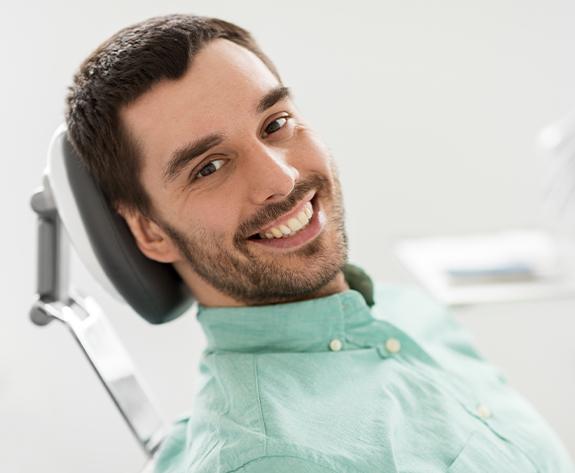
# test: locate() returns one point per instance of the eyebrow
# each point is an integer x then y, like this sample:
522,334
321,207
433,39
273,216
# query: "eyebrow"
186,154
183,156
272,97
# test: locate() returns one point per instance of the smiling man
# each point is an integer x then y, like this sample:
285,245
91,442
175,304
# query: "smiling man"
310,366
242,186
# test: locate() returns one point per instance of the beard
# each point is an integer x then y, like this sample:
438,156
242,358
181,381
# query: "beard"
259,280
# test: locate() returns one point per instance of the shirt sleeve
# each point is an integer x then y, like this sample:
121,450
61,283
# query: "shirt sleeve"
282,464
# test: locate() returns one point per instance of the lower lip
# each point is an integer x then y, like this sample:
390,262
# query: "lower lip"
302,237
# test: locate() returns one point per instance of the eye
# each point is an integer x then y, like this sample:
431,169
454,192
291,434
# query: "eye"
275,125
208,169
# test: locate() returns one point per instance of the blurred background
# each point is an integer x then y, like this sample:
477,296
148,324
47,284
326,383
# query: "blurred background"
432,110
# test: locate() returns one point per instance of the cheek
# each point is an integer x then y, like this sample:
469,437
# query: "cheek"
217,219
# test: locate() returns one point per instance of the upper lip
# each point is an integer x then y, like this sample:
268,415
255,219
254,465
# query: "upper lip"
292,213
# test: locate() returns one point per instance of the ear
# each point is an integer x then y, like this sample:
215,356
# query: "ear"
151,239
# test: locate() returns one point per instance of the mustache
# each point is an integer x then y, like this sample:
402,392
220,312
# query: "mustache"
274,211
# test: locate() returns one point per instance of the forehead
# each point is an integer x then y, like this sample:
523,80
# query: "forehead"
223,84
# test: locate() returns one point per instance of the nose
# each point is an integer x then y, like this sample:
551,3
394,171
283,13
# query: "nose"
269,175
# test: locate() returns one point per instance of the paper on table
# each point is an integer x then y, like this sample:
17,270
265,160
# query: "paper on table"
504,266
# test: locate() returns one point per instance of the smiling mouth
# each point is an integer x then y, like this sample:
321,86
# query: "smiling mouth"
294,222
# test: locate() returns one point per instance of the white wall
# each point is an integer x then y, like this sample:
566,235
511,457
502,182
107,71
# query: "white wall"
431,109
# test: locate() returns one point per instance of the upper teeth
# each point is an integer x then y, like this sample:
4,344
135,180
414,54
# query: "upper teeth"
292,226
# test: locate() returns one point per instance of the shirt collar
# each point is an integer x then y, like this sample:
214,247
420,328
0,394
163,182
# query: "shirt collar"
307,325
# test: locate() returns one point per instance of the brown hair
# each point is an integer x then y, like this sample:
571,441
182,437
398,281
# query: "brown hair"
118,72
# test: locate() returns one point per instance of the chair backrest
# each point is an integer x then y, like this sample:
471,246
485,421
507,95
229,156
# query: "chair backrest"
105,244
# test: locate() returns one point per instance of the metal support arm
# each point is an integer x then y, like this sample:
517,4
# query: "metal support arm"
82,315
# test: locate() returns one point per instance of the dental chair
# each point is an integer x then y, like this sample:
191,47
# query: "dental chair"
72,210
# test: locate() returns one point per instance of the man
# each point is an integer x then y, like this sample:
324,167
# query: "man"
309,367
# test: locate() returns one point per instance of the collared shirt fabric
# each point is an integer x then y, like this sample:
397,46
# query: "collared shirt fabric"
378,378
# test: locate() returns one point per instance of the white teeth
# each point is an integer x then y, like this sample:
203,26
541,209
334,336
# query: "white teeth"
302,217
276,232
292,226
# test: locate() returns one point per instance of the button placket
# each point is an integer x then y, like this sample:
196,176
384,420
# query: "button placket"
335,344
483,411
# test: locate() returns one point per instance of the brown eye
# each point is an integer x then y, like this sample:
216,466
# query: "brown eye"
209,168
275,125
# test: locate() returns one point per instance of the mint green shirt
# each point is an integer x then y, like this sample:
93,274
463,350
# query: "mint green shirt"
376,379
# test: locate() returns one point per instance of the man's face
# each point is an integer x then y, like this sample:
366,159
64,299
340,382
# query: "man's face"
248,165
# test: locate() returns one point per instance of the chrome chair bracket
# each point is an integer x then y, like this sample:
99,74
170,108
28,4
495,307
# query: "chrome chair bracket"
89,326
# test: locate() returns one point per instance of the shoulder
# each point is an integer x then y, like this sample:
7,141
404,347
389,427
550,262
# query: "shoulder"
226,431
224,428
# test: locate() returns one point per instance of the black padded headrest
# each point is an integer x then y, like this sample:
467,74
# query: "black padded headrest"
154,290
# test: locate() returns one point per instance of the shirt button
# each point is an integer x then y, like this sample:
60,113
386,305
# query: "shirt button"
483,411
392,345
335,344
